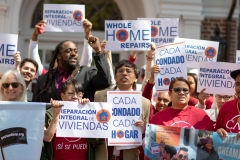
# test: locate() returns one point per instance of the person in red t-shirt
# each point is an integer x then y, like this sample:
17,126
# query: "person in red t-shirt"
64,148
180,114
229,115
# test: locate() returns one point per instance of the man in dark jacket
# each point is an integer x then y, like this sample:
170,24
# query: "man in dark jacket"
93,78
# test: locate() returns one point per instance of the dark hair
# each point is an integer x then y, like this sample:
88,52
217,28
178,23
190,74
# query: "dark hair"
30,61
77,86
170,150
176,80
195,77
49,79
127,63
183,149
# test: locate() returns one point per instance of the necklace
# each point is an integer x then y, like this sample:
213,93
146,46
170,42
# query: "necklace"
238,113
76,139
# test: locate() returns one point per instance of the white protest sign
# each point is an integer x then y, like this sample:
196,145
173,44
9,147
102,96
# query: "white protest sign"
63,17
92,120
238,56
163,30
128,35
199,50
171,59
215,77
8,47
127,109
21,130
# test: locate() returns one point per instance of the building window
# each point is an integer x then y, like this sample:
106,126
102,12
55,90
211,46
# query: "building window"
96,11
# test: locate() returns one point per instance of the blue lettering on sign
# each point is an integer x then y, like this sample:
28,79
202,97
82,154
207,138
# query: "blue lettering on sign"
110,35
119,25
170,70
196,58
238,58
155,23
125,100
137,35
162,40
170,60
10,49
169,51
131,134
215,76
123,123
83,125
216,83
171,31
63,22
126,112
135,45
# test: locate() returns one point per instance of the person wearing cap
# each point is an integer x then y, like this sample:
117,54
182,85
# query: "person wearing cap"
229,115
207,152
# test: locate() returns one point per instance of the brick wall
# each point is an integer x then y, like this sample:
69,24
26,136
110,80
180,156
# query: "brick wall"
208,28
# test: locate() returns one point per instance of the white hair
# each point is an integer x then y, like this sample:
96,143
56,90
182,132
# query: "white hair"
23,97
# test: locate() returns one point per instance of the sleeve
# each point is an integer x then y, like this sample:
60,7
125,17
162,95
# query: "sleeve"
147,112
100,78
33,53
147,91
44,153
86,58
198,105
36,91
132,59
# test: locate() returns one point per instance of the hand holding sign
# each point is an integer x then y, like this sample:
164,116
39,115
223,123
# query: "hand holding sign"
154,69
38,29
17,59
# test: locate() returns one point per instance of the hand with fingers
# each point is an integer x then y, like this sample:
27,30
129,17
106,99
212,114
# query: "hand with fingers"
222,133
202,96
17,60
56,107
95,44
154,69
38,29
87,25
151,53
141,123
83,100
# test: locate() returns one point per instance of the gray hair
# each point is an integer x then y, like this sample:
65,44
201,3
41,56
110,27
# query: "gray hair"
23,97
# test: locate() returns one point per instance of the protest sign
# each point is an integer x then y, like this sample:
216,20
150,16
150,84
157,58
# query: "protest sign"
188,143
63,17
126,110
92,120
8,47
238,56
215,77
21,130
171,59
128,35
163,30
199,50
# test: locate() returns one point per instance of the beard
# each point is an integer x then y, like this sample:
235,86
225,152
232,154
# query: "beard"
69,65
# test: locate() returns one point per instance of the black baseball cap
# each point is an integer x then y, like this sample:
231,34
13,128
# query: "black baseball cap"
235,73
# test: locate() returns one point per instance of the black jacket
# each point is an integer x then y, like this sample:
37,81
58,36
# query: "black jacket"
92,79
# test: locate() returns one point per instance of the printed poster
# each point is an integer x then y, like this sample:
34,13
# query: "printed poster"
8,47
126,110
199,50
21,130
172,61
91,120
63,17
215,77
163,30
189,144
125,35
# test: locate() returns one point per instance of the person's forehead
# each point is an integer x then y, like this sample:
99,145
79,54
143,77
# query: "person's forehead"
126,67
183,152
68,44
29,64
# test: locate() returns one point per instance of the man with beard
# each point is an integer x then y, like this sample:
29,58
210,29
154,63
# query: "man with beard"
96,78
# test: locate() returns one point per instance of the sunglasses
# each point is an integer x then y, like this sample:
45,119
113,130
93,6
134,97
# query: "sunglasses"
13,84
178,90
181,156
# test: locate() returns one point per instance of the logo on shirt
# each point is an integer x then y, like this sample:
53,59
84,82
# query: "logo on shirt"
182,124
103,116
77,15
122,35
233,123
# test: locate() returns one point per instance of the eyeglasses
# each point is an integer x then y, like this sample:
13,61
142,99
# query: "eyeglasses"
224,97
181,156
13,84
69,50
178,90
129,71
71,94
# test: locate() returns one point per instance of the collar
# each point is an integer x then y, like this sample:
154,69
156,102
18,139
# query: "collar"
117,89
61,71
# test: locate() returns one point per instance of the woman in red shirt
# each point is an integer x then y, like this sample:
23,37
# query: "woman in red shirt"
180,114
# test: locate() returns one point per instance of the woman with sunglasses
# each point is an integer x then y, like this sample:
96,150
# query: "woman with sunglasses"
219,100
13,87
180,114
72,90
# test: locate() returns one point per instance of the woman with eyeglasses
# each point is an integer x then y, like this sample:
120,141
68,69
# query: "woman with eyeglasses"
72,90
180,114
219,100
13,87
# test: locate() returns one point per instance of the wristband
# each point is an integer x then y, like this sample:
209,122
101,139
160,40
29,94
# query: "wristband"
99,52
149,57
